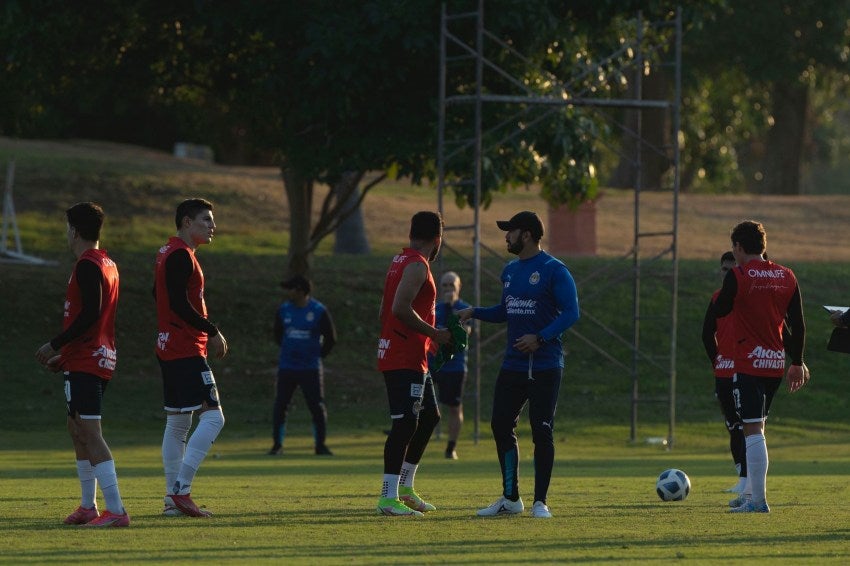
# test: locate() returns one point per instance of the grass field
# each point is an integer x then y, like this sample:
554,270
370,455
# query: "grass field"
300,508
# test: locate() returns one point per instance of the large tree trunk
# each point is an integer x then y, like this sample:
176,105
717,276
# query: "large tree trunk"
781,166
299,193
350,235
656,135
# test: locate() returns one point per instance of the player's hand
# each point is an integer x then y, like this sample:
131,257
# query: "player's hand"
465,314
442,335
218,345
527,343
797,377
836,318
44,354
54,364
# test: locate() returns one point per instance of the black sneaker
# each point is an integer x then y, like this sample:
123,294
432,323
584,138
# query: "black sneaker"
322,450
275,450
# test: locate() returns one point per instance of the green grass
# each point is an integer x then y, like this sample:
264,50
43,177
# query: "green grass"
300,508
303,509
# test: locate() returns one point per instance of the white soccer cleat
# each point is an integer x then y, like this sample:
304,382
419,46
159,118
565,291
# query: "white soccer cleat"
170,510
502,506
540,511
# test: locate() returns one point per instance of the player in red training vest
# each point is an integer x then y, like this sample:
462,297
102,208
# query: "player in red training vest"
183,337
761,296
85,352
407,330
718,338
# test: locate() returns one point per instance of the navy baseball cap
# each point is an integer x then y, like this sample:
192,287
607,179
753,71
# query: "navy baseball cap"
525,220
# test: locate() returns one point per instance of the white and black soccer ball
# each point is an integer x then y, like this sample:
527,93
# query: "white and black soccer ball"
673,485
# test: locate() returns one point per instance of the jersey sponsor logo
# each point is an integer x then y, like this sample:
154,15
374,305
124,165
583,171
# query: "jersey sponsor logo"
535,278
67,309
164,248
108,357
723,363
515,305
297,334
764,358
383,346
162,340
769,273
310,316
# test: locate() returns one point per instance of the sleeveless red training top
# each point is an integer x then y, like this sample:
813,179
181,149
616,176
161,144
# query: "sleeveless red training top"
764,292
176,338
724,363
399,346
94,351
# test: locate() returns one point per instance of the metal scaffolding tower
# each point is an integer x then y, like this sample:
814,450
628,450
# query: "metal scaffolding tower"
465,51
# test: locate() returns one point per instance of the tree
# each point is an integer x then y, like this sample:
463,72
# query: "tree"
780,52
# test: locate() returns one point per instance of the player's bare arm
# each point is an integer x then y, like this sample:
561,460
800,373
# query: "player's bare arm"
412,279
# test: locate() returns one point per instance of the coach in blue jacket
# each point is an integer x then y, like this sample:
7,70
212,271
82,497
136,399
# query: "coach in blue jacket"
539,303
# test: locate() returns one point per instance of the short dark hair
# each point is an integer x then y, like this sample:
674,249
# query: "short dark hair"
426,226
191,207
87,219
298,282
751,236
727,256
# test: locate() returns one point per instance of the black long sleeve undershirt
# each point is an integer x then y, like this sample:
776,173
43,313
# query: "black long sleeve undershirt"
709,328
89,281
178,270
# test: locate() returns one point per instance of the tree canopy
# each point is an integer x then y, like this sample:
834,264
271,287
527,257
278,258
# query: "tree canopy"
330,90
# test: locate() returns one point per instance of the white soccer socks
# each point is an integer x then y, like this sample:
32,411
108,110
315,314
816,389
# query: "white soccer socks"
174,446
757,464
210,424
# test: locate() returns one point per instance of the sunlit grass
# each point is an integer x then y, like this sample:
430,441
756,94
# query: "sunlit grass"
304,509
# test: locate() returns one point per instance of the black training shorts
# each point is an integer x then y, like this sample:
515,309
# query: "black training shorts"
188,384
84,394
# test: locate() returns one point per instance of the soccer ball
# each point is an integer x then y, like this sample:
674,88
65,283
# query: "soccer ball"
673,485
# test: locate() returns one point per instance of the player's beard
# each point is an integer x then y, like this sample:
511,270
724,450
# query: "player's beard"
433,255
516,247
